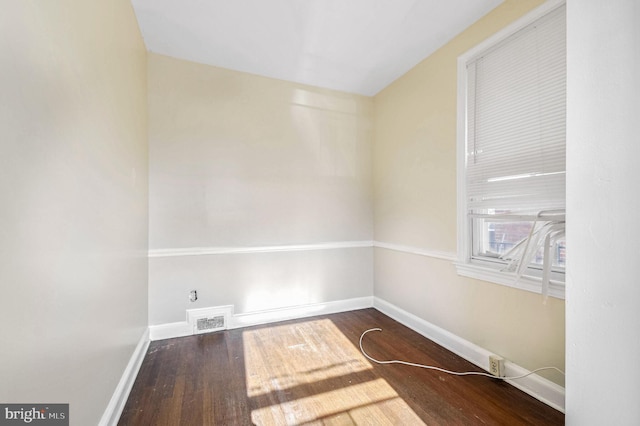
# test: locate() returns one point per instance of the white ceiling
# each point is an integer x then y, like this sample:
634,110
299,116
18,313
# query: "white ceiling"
357,46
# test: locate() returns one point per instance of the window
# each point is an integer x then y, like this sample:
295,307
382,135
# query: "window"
511,155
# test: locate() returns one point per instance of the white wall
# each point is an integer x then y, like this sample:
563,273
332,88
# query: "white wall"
73,201
241,161
603,200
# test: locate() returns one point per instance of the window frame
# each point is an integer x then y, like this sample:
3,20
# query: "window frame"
465,264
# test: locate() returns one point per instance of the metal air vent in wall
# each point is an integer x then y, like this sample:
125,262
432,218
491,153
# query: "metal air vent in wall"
206,320
210,324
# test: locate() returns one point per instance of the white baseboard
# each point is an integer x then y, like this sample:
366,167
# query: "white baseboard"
295,312
540,388
170,330
119,398
180,329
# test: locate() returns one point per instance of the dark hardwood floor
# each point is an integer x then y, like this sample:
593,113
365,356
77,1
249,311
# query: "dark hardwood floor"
311,372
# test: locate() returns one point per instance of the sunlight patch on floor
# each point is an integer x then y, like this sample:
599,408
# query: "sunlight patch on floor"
281,357
370,403
310,373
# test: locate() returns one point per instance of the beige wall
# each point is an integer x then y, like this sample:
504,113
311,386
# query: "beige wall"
73,189
241,161
415,205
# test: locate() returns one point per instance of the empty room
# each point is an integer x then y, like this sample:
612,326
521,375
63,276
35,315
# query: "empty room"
317,212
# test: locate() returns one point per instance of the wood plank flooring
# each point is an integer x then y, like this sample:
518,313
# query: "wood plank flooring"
311,372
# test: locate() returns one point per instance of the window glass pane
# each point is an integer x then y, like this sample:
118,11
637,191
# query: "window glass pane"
494,238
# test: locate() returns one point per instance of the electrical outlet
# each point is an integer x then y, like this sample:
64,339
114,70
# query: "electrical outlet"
193,295
496,365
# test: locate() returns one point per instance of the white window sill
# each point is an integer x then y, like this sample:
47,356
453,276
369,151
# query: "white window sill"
509,279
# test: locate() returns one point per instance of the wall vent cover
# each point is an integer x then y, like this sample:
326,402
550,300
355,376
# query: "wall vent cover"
206,320
210,324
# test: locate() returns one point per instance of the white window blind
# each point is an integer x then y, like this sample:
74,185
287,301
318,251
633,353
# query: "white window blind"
515,149
511,154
